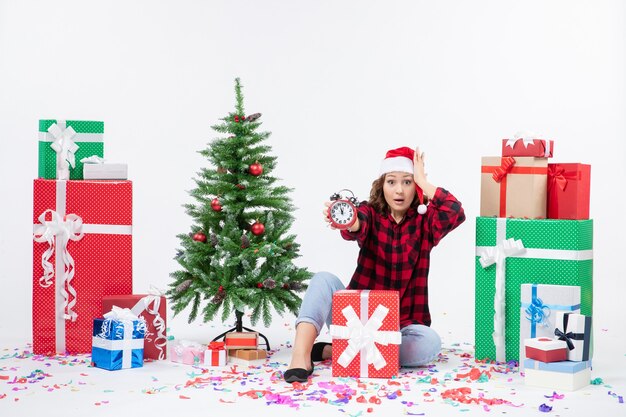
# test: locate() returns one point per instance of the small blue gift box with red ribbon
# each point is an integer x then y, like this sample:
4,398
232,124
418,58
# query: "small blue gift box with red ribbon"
118,340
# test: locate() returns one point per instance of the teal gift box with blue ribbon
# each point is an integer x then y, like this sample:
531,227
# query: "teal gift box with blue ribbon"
511,252
118,341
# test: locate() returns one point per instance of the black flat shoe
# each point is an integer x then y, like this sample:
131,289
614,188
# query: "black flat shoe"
318,350
298,374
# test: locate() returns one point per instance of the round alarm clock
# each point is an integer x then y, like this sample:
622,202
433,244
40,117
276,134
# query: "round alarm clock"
342,211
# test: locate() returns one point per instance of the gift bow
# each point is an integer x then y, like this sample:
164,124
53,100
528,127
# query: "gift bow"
216,345
537,312
556,175
64,146
525,137
506,164
64,229
93,159
363,337
567,337
498,255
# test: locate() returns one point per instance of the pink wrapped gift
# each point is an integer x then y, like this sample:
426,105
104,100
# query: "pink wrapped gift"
186,351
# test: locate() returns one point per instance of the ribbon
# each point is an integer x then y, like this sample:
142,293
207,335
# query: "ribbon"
58,232
498,255
65,148
557,177
93,159
567,337
64,263
531,253
216,345
363,334
154,300
536,312
570,337
506,164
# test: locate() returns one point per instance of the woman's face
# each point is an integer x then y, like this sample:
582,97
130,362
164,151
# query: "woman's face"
399,191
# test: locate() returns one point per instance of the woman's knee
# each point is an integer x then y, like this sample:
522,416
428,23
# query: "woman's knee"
325,279
420,345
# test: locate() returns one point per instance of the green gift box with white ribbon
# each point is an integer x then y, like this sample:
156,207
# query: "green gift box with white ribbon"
63,143
511,252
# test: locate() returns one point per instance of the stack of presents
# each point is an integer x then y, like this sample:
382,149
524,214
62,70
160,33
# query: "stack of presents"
82,255
534,264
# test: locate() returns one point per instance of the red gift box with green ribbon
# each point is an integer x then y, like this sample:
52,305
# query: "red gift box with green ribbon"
82,251
569,187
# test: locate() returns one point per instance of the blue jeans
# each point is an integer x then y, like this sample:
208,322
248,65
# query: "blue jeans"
420,344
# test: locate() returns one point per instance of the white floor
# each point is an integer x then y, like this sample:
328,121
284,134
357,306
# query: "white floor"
70,387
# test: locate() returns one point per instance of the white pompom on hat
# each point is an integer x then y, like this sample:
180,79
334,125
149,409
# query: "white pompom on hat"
401,160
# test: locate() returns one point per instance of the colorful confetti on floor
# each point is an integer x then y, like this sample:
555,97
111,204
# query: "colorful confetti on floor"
454,383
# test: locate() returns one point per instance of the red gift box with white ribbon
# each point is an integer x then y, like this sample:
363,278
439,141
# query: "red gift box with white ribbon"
82,251
366,333
545,349
525,146
150,307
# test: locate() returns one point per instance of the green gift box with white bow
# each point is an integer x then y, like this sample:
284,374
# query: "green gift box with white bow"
511,252
63,143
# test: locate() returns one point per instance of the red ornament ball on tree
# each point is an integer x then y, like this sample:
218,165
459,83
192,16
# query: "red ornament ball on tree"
220,288
236,119
259,285
257,228
215,205
255,169
199,237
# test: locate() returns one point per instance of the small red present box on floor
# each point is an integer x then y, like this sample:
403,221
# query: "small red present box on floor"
544,349
366,333
569,186
152,308
241,340
215,354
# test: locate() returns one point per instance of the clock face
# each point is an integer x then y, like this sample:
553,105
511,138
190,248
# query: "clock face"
342,214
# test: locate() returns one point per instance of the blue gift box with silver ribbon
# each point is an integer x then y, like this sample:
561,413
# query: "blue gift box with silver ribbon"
118,340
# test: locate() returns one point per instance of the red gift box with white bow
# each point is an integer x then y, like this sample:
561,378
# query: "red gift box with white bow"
82,251
366,333
522,146
152,308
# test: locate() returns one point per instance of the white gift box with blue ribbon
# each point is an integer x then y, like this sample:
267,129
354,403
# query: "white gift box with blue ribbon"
540,304
118,340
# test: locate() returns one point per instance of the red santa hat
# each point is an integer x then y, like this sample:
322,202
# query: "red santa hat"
401,160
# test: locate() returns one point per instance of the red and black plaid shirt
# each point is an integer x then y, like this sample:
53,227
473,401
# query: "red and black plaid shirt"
397,256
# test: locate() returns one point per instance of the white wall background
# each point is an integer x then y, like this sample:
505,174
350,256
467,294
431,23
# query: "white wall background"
338,84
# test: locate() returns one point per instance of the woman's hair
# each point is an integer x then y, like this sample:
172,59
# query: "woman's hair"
377,197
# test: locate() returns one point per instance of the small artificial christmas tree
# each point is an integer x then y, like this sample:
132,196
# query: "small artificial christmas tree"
239,254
